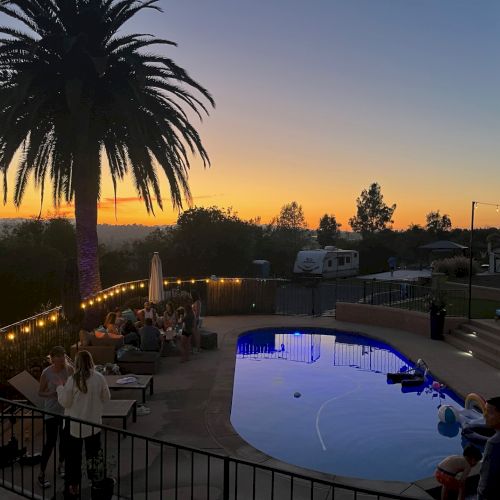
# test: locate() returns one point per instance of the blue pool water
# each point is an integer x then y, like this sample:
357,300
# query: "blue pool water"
319,399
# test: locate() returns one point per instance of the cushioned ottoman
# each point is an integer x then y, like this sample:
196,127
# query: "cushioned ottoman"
139,362
208,340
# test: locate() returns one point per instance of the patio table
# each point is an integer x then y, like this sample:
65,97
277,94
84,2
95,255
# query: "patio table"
143,382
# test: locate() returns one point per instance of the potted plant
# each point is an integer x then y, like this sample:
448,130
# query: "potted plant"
102,487
437,310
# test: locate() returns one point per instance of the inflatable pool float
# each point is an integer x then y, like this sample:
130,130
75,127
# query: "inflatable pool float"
449,414
475,402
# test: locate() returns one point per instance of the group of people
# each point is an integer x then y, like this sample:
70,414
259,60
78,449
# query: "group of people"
145,332
77,391
454,470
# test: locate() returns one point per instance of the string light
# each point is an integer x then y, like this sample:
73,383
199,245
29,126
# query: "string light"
26,329
123,288
179,282
142,285
238,280
41,323
193,282
222,280
11,336
83,305
132,287
165,282
99,299
91,302
105,295
53,317
207,281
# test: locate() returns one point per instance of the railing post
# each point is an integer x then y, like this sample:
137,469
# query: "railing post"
225,488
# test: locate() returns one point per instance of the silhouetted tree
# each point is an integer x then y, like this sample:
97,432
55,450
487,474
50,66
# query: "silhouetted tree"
437,223
73,89
328,230
372,213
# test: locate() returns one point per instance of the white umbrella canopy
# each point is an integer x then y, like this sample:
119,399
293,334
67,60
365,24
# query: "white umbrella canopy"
156,280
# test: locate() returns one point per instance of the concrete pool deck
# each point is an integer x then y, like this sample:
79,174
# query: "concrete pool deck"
192,401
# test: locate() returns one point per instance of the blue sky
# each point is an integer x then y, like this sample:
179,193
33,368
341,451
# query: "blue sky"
316,100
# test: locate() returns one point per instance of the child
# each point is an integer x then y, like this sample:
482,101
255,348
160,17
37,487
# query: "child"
449,468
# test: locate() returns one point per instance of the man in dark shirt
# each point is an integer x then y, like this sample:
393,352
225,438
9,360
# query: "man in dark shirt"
150,336
489,480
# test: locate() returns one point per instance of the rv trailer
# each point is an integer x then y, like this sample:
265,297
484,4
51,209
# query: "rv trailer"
330,262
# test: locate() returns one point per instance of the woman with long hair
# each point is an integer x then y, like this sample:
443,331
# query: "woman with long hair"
83,397
53,376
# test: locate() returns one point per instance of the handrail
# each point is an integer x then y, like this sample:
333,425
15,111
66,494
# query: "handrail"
312,479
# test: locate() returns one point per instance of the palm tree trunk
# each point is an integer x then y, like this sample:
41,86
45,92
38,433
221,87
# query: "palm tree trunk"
86,196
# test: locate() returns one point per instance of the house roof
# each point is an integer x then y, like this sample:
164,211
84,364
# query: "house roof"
443,245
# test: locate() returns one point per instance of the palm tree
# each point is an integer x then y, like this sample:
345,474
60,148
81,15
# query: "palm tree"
73,90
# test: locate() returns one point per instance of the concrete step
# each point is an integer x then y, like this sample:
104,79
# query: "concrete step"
480,332
486,324
479,352
478,340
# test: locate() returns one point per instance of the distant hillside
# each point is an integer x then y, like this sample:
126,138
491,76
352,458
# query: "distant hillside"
109,235
115,236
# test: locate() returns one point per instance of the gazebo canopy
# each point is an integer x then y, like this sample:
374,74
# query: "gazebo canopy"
443,245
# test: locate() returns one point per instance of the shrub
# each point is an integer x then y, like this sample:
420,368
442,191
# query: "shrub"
456,267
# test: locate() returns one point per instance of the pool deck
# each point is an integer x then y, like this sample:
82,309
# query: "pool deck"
192,401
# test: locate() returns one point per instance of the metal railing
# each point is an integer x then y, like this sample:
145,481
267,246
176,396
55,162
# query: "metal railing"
147,468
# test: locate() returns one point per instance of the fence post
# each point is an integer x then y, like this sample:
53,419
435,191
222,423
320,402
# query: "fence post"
225,488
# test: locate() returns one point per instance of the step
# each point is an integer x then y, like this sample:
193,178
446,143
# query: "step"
478,340
479,353
488,325
480,332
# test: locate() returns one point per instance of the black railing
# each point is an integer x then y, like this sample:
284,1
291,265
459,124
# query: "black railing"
148,468
320,298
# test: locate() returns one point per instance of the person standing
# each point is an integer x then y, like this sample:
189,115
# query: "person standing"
196,307
83,397
53,376
186,319
489,476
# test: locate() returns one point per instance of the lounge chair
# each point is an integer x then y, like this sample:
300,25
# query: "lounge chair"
28,386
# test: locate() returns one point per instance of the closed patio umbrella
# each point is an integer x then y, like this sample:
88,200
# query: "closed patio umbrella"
156,280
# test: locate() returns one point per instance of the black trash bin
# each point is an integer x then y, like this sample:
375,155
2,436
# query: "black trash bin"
437,323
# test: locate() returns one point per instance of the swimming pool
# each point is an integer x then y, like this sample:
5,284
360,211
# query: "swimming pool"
319,399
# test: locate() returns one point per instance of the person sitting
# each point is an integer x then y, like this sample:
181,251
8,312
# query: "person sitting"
110,326
150,336
147,312
453,471
169,317
130,334
120,320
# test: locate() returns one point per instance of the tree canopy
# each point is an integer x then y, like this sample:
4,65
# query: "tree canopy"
437,223
73,90
372,213
328,230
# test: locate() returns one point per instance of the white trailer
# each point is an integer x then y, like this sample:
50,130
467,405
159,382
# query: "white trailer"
330,262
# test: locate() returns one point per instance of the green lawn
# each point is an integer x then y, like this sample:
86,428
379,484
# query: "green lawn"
483,308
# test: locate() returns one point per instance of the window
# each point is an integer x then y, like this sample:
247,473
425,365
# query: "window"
348,260
330,263
340,261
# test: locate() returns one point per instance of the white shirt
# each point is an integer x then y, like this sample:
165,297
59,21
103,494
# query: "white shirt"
84,405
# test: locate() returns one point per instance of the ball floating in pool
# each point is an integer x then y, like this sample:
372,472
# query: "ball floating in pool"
436,385
448,414
297,394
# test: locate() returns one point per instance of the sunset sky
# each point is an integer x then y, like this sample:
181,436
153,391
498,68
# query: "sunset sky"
317,99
